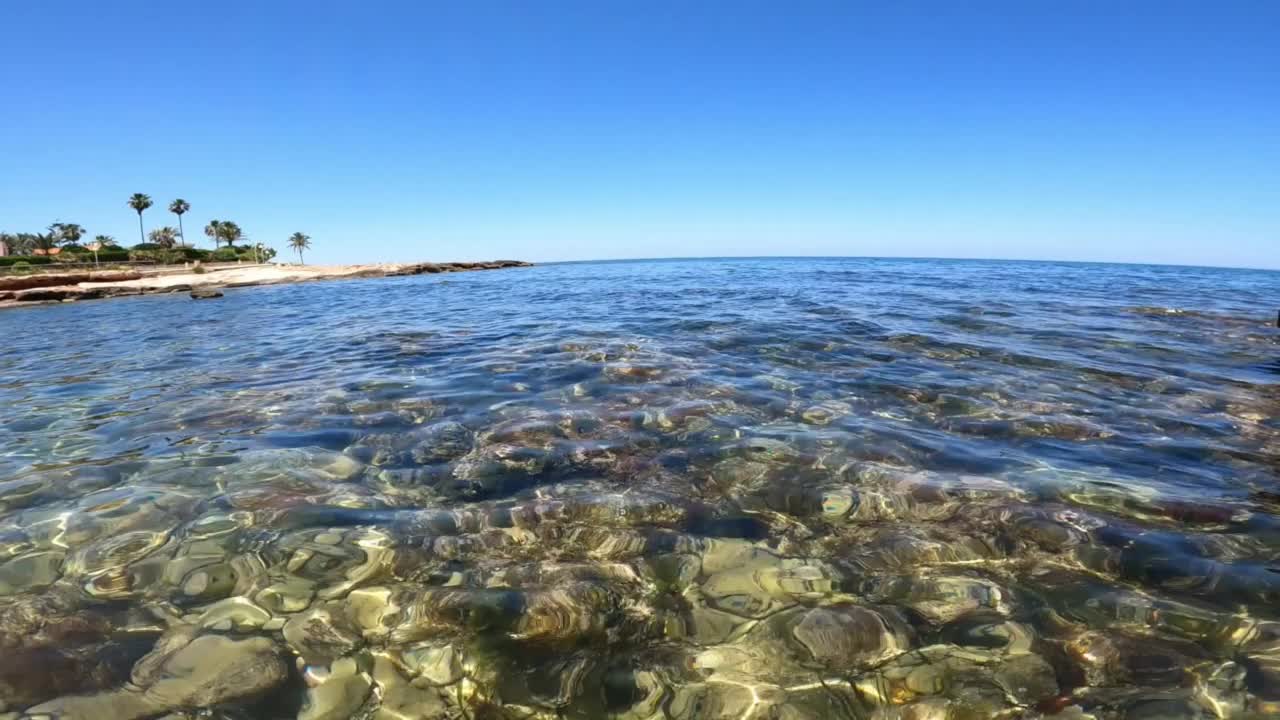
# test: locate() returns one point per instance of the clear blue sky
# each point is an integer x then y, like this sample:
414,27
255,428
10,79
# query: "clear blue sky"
1076,129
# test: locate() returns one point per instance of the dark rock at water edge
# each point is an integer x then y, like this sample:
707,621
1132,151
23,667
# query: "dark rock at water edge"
205,293
62,293
432,268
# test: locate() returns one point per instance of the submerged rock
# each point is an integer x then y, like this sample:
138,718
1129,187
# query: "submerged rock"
37,674
238,614
320,635
402,699
30,571
712,701
181,672
434,664
442,442
288,468
208,670
496,471
967,684
939,599
336,692
845,636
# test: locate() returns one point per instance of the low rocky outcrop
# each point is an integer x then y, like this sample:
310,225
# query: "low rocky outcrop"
69,292
24,282
425,268
68,287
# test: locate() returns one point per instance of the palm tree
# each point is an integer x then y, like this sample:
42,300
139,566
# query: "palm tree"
214,231
67,233
178,207
300,242
45,241
165,236
7,241
230,232
140,202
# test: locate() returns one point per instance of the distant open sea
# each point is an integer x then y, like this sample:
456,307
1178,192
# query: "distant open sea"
729,488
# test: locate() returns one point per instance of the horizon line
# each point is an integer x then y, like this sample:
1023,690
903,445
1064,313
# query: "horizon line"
673,258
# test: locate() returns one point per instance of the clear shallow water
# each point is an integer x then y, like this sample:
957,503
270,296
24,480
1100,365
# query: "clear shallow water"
702,489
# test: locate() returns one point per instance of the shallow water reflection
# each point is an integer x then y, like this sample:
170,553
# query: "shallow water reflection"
729,489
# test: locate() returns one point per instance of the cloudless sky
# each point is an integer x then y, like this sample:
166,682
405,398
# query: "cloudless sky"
1070,129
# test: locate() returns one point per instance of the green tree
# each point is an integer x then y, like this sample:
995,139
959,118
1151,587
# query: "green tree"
29,242
214,231
166,237
230,233
22,244
140,202
44,241
300,242
66,233
179,207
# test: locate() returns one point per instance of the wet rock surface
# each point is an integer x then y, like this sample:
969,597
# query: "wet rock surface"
544,501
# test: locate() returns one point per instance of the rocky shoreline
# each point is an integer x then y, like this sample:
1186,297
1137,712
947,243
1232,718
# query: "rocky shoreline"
27,290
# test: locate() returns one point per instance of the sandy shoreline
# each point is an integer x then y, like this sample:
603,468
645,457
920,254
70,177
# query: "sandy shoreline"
28,290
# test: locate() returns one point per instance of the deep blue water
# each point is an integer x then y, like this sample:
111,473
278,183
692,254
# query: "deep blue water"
651,487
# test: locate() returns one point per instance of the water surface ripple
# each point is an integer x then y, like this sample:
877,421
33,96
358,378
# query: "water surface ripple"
737,489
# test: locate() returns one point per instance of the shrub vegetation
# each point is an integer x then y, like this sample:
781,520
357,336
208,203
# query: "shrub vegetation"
25,260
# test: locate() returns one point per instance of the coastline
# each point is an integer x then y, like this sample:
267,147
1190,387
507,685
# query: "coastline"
33,290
